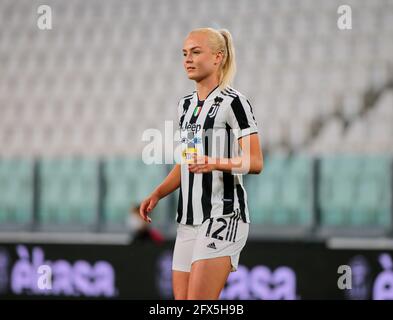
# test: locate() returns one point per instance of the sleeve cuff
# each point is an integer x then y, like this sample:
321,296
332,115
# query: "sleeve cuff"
246,132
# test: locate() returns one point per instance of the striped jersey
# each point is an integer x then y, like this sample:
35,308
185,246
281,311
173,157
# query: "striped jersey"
212,127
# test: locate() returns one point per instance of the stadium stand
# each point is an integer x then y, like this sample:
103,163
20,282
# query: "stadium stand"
75,101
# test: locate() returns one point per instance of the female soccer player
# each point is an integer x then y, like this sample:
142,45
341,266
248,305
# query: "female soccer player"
212,215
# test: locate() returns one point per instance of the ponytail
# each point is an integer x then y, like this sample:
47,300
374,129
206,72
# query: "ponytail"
228,67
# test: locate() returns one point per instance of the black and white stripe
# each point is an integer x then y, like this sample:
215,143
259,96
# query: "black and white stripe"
232,229
215,194
184,104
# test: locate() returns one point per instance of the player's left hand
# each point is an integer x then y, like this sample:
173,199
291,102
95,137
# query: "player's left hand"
202,164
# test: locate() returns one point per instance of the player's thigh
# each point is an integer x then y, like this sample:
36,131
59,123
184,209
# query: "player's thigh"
216,253
208,277
182,259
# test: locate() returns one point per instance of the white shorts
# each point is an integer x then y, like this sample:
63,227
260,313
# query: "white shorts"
216,237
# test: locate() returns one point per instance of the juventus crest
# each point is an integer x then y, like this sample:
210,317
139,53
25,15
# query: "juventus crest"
214,108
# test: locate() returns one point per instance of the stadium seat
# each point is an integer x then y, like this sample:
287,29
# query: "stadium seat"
373,205
128,182
263,191
282,194
16,191
355,191
69,192
120,176
336,192
297,195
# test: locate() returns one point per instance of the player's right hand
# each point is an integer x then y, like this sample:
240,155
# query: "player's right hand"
147,206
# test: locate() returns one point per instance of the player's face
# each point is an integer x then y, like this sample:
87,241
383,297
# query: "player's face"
199,60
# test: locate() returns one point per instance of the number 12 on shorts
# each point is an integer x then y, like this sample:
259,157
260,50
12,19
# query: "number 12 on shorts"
219,233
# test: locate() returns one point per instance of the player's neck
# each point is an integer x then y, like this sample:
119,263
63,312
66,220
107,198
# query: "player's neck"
206,86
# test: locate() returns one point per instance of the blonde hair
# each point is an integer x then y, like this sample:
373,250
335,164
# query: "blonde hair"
221,41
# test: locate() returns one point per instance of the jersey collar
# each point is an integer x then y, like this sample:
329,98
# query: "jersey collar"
211,95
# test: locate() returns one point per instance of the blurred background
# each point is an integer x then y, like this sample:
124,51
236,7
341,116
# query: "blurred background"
76,99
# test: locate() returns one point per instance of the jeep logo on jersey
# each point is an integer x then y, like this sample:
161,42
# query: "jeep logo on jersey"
192,127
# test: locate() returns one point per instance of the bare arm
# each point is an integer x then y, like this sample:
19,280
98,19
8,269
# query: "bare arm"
250,161
170,184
